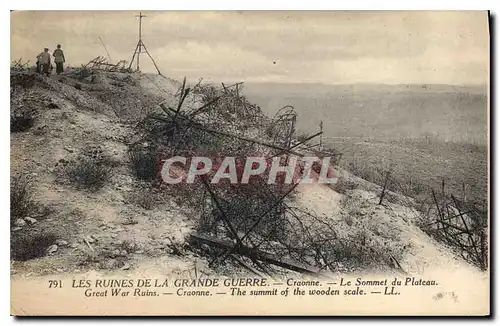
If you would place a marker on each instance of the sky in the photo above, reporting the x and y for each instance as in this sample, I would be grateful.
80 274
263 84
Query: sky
329 47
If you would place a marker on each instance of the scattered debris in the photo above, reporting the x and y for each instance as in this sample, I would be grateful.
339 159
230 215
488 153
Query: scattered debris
101 64
461 224
253 215
19 65
61 243
257 227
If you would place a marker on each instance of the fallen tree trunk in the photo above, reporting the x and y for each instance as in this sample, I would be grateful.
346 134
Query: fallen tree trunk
255 254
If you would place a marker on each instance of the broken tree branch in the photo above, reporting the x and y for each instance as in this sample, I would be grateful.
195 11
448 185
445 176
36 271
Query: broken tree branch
257 254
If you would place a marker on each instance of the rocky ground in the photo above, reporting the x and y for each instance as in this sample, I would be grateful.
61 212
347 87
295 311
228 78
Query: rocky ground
106 229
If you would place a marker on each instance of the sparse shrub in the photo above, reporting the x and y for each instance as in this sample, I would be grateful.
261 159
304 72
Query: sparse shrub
24 79
144 163
363 249
354 256
339 244
354 250
21 198
89 173
28 247
144 197
111 257
21 123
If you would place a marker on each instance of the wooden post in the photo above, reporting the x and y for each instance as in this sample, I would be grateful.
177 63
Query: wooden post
140 39
321 135
384 188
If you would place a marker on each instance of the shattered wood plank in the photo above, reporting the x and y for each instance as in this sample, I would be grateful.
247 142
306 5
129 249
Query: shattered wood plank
257 254
251 140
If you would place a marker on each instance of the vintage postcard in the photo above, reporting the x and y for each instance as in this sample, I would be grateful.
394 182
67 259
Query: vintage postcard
197 163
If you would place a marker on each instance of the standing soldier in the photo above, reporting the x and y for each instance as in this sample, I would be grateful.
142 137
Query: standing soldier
38 65
59 59
44 60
